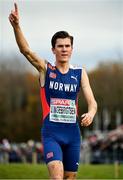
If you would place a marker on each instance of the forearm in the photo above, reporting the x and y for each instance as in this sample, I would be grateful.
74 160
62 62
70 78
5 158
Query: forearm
20 39
92 108
37 62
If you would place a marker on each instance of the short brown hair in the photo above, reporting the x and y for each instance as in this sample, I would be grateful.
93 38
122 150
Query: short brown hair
62 35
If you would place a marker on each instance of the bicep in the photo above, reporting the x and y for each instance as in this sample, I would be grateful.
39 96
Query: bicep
85 85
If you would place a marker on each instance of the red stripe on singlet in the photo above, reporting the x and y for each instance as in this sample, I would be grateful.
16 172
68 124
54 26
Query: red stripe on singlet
45 106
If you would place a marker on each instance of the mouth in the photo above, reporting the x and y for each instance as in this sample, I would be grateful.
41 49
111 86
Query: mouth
64 55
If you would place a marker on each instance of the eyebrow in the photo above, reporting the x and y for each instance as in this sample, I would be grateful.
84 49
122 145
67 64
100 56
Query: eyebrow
66 45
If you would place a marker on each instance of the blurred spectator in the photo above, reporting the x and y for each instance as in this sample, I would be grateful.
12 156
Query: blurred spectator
85 154
96 148
29 152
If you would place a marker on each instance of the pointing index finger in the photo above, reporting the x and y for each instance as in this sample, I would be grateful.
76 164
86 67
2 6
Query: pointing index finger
16 7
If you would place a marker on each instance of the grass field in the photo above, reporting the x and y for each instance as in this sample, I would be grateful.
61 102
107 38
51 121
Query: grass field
39 171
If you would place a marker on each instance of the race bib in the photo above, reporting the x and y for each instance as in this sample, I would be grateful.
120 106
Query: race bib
62 110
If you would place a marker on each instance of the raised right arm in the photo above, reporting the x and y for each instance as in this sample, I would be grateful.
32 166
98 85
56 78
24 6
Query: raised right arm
37 62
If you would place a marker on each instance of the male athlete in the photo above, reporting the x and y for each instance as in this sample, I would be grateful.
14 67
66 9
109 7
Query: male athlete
59 87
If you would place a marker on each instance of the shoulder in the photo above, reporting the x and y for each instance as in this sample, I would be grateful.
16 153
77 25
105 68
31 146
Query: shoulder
84 71
76 70
84 78
75 67
51 66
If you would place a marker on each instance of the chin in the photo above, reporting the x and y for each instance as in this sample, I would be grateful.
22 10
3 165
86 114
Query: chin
64 60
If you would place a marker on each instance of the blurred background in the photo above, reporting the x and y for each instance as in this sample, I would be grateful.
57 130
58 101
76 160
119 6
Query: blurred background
97 27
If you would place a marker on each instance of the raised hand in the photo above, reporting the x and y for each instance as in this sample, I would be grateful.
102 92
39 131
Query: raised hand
14 16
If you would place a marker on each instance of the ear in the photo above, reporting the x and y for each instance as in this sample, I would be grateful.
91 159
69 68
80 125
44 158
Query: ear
53 50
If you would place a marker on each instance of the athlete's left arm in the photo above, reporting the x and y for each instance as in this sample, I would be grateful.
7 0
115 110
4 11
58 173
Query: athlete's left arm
87 118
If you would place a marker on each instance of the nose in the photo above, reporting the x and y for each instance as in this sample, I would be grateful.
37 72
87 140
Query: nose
64 48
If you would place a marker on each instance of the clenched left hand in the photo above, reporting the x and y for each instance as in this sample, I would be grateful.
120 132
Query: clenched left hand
87 119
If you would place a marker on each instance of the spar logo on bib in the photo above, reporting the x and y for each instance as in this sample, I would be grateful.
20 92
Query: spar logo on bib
63 102
62 110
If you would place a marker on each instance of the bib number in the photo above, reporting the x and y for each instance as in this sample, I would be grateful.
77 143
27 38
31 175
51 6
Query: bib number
62 110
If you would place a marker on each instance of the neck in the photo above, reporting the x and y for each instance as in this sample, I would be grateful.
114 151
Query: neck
62 67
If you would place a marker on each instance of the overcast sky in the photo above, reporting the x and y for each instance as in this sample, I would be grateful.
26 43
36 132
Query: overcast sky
97 27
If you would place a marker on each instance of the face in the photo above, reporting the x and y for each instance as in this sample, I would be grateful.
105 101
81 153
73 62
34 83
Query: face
63 50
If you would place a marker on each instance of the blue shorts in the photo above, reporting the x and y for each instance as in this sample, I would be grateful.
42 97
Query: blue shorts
62 142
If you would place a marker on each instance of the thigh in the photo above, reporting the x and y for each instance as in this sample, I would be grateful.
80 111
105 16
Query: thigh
52 150
71 156
55 169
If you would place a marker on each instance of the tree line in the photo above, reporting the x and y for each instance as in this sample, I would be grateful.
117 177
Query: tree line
20 107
